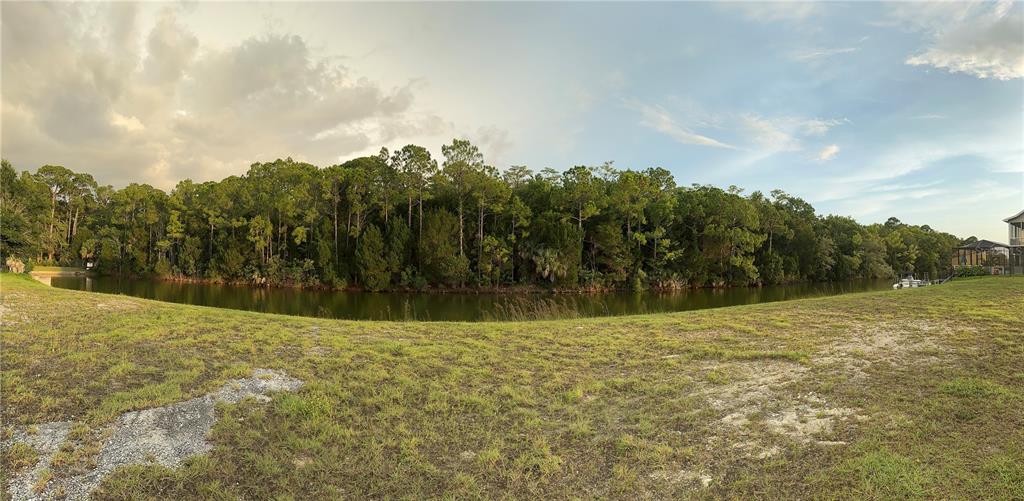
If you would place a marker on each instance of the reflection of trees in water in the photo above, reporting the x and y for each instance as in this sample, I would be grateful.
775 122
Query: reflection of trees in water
523 308
453 307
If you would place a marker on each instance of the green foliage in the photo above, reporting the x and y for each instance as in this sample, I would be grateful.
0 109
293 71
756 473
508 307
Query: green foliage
373 263
289 222
189 255
398 249
970 271
439 252
494 260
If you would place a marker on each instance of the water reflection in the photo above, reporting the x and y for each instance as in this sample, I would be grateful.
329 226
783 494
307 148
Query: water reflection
451 307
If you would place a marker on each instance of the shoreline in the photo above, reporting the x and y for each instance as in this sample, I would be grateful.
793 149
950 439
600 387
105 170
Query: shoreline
502 290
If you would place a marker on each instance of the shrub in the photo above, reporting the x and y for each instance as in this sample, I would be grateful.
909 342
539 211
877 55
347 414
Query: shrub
15 265
163 268
971 271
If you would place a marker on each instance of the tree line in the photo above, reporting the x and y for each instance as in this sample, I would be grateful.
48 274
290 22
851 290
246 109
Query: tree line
404 220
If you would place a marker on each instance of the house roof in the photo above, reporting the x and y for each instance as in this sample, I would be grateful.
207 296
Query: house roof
1016 217
982 245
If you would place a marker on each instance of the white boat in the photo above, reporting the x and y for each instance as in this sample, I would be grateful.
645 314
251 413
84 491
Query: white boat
910 282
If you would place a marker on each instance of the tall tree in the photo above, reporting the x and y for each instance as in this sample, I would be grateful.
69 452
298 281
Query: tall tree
462 163
489 194
417 169
58 180
583 192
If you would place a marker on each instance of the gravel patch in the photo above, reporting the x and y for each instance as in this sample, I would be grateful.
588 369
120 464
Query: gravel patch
46 440
163 435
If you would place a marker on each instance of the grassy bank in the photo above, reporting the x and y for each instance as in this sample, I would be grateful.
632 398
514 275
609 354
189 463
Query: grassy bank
913 394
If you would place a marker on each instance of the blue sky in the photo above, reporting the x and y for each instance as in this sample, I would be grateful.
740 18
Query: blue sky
865 109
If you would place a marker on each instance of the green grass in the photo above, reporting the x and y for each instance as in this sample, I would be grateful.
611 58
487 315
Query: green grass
884 475
626 407
19 456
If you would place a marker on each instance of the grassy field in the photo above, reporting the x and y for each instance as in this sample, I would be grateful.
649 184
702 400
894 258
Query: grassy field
898 394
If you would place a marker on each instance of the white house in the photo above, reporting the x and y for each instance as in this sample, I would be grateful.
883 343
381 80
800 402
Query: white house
1016 229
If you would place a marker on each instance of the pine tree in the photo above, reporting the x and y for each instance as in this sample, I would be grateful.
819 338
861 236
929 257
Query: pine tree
371 260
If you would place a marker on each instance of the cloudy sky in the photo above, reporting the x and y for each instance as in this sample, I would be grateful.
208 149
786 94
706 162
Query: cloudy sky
865 109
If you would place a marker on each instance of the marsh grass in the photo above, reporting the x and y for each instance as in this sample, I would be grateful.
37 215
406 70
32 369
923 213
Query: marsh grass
519 309
589 408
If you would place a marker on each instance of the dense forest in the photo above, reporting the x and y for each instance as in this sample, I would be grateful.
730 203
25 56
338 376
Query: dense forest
401 220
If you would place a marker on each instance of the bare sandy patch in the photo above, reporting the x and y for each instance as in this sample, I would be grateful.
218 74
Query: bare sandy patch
162 435
765 396
895 343
683 476
807 419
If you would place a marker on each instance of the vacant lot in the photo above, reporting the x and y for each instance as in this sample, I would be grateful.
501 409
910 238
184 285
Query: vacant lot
908 394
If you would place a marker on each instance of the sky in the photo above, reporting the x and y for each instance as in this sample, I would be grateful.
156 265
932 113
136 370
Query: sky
870 110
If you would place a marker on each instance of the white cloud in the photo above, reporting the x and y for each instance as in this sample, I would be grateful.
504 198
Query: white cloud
770 135
818 126
919 168
91 87
657 118
758 135
130 124
494 143
828 152
784 133
982 40
814 54
766 12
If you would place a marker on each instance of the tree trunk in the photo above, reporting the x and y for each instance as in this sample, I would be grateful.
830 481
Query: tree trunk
515 246
284 242
67 234
209 257
480 240
461 253
419 238
53 215
409 220
335 234
421 216
348 227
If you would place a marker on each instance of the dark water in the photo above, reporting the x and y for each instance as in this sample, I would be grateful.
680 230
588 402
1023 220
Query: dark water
452 307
